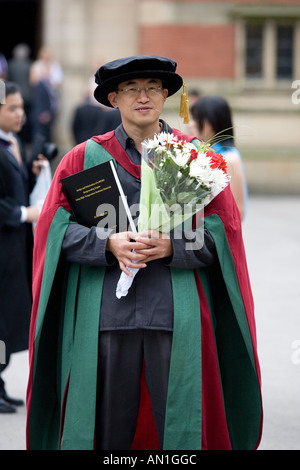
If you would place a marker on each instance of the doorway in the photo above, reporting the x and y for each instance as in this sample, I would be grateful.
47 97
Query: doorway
22 19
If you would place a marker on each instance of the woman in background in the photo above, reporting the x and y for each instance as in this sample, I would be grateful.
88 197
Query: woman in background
212 120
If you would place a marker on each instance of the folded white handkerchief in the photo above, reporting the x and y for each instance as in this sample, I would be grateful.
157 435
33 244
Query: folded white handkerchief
125 282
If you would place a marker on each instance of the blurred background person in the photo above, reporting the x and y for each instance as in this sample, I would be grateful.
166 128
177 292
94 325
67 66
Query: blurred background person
18 72
212 117
46 76
16 239
92 118
3 67
193 96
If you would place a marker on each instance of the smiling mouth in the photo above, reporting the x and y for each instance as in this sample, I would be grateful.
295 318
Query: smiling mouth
143 109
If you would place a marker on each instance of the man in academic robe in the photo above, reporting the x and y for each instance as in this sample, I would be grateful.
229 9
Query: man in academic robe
172 365
16 240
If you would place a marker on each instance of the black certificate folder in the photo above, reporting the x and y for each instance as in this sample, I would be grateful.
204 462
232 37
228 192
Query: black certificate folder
97 199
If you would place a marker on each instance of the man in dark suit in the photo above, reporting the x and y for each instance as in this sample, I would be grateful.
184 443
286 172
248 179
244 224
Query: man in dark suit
92 118
16 216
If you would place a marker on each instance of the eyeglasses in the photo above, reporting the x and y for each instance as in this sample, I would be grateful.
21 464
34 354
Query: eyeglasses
134 91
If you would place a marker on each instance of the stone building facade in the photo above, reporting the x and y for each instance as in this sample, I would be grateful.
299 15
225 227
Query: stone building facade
245 50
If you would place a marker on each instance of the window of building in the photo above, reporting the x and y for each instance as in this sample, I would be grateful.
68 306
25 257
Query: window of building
284 52
269 51
254 48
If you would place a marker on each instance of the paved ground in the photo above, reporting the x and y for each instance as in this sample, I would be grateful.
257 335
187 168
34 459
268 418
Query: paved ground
272 241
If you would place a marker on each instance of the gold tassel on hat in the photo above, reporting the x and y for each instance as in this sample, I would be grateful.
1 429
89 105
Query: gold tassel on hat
184 105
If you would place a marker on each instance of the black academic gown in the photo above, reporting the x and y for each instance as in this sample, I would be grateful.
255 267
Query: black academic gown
16 242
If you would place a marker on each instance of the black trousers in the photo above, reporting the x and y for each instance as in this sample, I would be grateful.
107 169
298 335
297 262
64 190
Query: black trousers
120 362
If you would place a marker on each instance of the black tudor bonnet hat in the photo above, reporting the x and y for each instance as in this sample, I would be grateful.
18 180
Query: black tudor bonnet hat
111 74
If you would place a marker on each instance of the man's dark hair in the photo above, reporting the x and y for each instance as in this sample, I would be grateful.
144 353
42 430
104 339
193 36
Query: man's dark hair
11 88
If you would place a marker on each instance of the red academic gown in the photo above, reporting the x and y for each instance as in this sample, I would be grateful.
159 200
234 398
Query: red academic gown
220 424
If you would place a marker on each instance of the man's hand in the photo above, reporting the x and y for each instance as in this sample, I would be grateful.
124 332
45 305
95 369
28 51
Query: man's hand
121 245
158 245
33 213
37 165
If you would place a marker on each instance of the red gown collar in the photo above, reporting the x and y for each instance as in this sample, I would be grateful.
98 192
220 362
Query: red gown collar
110 142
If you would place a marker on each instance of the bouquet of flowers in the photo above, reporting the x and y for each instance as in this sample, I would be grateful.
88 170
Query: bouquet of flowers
177 180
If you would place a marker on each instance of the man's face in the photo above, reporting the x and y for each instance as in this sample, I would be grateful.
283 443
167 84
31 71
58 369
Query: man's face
137 105
12 113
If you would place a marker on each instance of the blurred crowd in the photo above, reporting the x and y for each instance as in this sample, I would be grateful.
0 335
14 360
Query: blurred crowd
40 81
